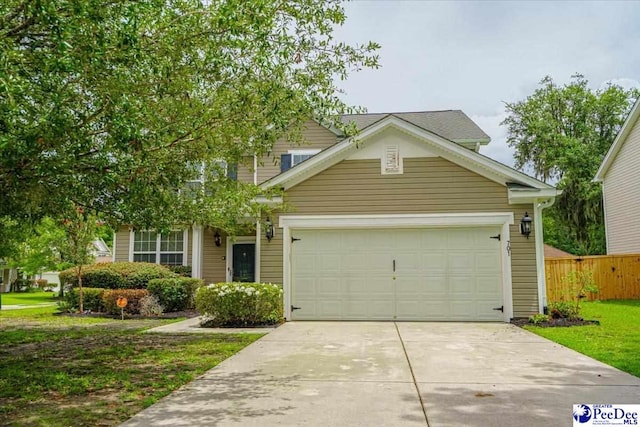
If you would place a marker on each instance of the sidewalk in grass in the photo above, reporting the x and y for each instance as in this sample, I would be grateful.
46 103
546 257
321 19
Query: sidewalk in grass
20 307
193 326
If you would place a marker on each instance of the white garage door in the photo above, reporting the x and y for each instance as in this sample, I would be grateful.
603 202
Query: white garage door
396 274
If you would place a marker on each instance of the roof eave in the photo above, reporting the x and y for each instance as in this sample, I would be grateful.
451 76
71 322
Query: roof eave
531 195
309 167
617 143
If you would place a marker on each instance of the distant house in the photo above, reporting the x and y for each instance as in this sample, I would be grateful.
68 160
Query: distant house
551 252
7 275
619 174
101 252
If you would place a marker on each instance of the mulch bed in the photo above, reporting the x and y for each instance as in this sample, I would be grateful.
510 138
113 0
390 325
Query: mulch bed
171 315
554 323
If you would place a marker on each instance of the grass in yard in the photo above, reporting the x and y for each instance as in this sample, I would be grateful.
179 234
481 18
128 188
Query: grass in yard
28 298
615 342
43 315
97 374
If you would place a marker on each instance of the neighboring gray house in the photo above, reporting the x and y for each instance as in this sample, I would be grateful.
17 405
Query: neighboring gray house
406 221
619 174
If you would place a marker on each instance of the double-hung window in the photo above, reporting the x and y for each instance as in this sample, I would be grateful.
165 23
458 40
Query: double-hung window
294 157
166 249
299 156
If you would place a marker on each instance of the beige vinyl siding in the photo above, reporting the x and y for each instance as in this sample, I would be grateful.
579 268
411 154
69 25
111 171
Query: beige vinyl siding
622 198
428 185
271 255
122 244
314 136
245 170
214 264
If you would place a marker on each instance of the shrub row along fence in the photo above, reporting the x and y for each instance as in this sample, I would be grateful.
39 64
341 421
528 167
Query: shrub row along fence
617 276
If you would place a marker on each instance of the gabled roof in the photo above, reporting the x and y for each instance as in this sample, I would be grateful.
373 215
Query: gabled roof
453 125
618 142
528 187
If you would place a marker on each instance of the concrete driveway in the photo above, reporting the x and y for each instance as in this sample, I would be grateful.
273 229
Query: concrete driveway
395 374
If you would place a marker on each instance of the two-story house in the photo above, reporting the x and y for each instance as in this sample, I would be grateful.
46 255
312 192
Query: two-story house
405 221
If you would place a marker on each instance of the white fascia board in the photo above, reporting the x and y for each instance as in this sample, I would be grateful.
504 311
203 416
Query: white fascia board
447 149
481 141
618 142
396 221
269 201
517 196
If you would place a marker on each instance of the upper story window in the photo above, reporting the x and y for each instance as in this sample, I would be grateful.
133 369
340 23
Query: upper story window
293 157
201 170
165 249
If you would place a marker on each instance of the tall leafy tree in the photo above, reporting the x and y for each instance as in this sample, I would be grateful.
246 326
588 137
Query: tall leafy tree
109 104
561 134
39 251
80 230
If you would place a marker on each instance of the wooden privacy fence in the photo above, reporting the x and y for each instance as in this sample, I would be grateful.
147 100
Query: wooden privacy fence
617 276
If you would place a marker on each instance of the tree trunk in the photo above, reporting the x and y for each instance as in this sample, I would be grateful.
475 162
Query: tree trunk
81 306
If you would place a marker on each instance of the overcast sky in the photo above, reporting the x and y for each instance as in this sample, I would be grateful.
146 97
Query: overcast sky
474 56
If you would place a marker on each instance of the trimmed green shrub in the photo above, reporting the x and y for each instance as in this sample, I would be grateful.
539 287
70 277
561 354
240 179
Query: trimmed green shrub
133 296
116 275
240 304
181 270
175 294
91 299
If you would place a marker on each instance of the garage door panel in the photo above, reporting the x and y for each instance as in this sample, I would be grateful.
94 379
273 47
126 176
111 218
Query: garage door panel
458 261
487 287
441 274
434 262
487 261
328 286
464 285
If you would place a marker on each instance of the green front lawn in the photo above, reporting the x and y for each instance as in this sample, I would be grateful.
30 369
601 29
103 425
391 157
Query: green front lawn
615 342
28 298
61 371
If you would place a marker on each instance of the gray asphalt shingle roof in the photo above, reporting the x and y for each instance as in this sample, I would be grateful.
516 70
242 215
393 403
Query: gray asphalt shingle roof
451 124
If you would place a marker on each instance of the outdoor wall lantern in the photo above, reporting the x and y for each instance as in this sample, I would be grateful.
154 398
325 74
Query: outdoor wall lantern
525 225
217 239
268 230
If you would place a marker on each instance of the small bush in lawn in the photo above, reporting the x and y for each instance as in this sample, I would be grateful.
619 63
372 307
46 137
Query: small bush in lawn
91 299
563 310
150 306
117 275
239 304
42 284
175 294
133 296
539 318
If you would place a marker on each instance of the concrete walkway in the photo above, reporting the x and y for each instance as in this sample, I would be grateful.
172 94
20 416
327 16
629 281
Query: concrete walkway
192 326
388 374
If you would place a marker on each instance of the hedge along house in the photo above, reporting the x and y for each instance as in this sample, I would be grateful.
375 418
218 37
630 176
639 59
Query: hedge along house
406 221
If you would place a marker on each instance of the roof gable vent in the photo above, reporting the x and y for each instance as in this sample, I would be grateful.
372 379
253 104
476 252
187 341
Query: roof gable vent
391 163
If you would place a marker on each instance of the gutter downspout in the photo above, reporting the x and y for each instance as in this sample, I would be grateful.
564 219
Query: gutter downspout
538 207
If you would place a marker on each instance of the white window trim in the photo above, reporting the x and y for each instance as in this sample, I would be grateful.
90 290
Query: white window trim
503 219
302 152
185 246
